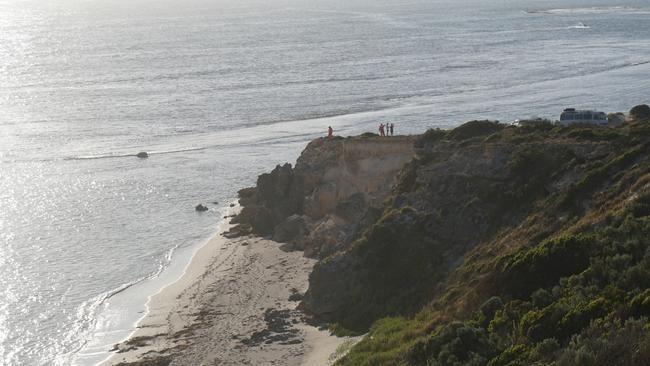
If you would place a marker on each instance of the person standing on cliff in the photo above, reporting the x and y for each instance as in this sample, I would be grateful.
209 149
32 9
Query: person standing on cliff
391 128
330 132
381 130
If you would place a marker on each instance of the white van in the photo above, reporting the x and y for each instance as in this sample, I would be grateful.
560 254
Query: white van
571 115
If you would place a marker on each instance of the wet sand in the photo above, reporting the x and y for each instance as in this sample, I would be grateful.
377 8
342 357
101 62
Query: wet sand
235 305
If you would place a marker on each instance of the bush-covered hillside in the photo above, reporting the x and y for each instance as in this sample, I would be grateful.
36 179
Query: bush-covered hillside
503 246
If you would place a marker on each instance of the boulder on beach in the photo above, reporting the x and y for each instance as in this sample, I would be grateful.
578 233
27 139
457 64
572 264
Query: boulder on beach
200 208
142 154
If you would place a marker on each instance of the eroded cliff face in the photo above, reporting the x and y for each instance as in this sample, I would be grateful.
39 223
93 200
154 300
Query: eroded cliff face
337 185
336 171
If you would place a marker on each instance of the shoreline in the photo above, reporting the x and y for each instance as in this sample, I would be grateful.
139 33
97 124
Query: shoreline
124 311
220 227
231 305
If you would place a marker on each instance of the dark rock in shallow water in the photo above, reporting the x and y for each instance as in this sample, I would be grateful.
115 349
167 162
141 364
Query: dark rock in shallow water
200 208
142 154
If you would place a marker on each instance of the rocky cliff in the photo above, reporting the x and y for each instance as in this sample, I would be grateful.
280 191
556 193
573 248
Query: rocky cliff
462 189
483 245
337 185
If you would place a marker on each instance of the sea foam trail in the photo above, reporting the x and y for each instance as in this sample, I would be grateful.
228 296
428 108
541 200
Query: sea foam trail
111 156
403 101
588 10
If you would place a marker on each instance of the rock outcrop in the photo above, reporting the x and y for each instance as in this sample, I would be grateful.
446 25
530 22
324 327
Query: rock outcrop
276 196
318 205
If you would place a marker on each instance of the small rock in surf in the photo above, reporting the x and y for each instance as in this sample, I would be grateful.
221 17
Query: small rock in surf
200 208
142 154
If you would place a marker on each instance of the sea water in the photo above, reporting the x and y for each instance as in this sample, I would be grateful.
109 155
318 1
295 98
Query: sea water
218 92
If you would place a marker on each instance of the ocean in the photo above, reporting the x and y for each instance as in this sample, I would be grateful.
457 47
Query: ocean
218 92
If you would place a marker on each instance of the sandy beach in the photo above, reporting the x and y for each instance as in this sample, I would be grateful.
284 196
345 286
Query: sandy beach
234 305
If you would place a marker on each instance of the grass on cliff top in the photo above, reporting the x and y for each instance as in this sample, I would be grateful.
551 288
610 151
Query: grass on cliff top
534 130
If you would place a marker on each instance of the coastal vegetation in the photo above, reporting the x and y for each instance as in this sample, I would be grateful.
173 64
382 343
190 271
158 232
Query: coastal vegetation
563 276
496 245
640 112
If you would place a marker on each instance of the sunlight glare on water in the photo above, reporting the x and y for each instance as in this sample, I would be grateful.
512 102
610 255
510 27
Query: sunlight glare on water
219 92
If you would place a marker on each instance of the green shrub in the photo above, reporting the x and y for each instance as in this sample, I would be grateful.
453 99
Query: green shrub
430 136
600 175
594 133
454 344
580 316
384 343
541 298
640 207
610 344
532 168
640 112
516 355
341 331
536 124
408 177
473 129
539 324
491 306
640 304
543 265
546 350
